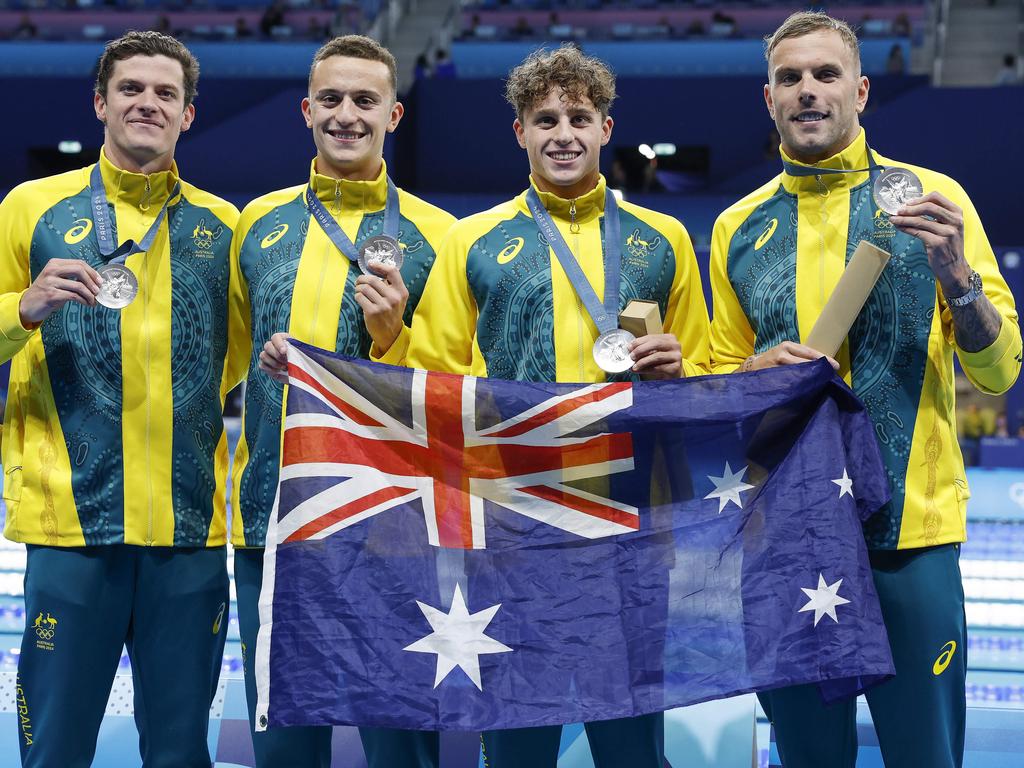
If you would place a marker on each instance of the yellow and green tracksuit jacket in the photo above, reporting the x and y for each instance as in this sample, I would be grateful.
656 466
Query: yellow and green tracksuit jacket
498 303
292 278
776 257
113 431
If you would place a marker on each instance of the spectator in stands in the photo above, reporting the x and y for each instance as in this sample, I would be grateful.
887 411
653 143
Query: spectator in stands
1002 427
722 25
272 17
896 64
1009 73
315 30
352 105
114 485
242 28
521 29
163 24
938 309
25 30
421 71
901 26
444 67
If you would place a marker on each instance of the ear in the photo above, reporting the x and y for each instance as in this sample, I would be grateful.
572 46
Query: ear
188 116
769 102
396 115
862 94
307 113
606 130
100 105
517 126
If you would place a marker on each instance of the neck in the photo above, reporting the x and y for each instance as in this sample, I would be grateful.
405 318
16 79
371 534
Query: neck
125 161
810 158
369 172
570 191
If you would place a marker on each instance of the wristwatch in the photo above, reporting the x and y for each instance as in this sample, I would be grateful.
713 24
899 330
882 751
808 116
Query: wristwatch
974 281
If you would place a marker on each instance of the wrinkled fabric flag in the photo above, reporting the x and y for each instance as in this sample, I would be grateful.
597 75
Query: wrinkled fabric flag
452 552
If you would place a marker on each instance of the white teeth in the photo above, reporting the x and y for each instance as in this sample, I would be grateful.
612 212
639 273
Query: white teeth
564 155
809 117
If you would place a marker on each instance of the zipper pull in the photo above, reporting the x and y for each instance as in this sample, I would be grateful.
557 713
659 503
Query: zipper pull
146 194
337 197
574 226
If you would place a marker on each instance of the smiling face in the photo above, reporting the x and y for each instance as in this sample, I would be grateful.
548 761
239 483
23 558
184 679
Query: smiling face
563 141
143 111
351 107
815 95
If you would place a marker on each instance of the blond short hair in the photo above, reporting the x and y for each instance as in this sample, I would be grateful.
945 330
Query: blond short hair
567 68
807 22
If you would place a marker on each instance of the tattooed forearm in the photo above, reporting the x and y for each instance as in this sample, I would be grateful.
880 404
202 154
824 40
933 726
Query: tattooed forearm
976 325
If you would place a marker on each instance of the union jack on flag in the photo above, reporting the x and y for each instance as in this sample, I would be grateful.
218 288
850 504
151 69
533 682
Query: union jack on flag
451 449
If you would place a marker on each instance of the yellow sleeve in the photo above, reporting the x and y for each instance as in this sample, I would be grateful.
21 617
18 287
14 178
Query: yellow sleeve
995 368
444 325
15 240
732 338
686 315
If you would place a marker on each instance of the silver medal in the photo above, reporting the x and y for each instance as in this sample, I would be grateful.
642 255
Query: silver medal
380 248
611 350
894 187
120 286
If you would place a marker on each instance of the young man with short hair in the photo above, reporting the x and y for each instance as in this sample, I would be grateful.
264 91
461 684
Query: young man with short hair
113 310
776 258
297 254
531 290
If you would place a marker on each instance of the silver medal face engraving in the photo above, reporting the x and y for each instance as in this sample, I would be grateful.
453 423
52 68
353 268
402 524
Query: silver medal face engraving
611 350
894 187
379 248
120 286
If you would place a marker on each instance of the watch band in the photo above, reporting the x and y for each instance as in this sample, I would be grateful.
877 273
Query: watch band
976 290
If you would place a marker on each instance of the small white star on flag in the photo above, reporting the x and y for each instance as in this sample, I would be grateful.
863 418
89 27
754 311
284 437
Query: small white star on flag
458 638
728 487
845 484
823 600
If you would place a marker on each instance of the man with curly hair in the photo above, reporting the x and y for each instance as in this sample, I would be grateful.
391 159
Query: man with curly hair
505 299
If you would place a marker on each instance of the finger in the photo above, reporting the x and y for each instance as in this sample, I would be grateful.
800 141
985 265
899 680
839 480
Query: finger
388 272
801 352
80 290
665 360
71 269
930 239
280 345
273 357
930 210
923 224
653 347
937 198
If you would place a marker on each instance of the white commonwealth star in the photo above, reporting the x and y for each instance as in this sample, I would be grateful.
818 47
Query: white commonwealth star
458 638
728 487
823 600
845 484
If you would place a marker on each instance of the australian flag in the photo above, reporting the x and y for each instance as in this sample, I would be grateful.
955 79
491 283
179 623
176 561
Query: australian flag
452 552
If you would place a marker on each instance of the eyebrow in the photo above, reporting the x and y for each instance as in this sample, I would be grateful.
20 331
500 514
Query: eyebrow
140 84
335 92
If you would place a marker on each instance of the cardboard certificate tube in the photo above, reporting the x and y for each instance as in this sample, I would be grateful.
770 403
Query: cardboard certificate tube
848 298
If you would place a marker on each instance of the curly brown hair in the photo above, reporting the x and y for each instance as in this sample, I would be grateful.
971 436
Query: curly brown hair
358 47
567 68
147 44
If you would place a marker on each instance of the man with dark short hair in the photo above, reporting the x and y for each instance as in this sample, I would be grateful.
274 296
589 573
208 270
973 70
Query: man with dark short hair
113 312
296 257
776 256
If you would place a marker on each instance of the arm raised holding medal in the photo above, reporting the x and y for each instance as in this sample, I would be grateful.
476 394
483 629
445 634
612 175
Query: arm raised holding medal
938 222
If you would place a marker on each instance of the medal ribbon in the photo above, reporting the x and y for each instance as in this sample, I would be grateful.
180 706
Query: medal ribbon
337 235
104 225
605 316
803 170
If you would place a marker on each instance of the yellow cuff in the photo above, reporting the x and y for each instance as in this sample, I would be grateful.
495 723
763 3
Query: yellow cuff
396 353
992 355
10 318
